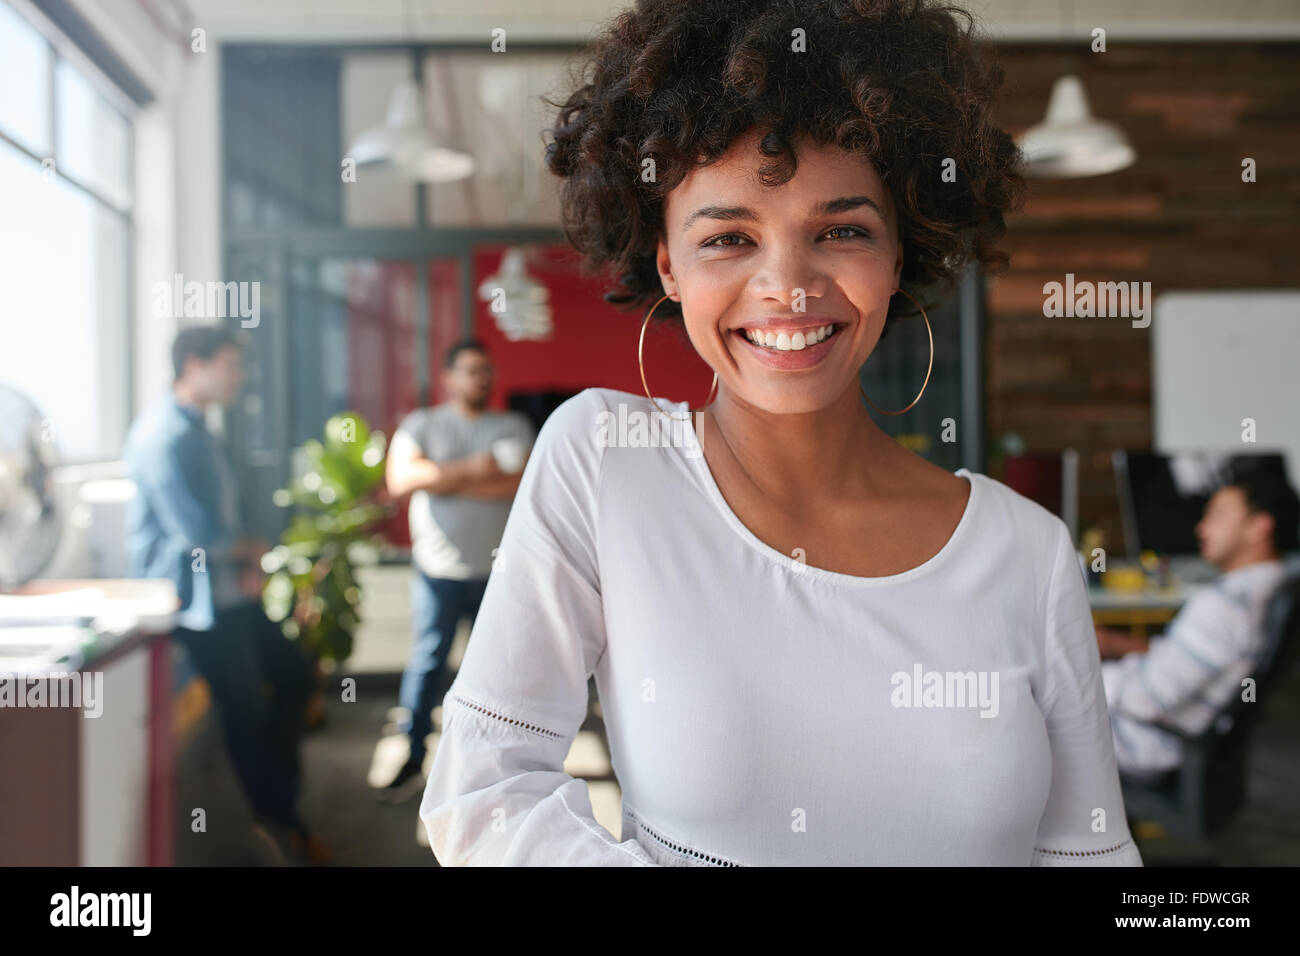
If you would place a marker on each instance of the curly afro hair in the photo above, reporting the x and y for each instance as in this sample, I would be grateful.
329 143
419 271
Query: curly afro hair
678 81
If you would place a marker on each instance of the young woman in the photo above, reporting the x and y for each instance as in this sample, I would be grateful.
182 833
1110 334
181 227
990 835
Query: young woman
811 646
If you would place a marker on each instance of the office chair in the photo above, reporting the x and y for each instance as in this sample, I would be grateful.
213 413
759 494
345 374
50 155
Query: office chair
1198 799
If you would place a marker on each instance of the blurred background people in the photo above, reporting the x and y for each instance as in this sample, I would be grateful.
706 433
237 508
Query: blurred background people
1190 673
185 524
461 463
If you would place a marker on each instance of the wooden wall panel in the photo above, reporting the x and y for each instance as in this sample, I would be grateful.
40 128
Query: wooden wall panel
1179 218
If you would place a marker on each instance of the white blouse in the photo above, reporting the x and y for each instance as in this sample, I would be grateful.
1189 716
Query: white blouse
761 710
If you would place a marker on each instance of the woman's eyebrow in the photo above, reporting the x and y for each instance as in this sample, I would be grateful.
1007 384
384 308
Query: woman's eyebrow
735 213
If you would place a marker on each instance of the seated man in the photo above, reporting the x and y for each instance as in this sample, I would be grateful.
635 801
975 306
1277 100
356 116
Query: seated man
1191 672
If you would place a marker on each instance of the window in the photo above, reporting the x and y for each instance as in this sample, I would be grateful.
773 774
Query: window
25 60
65 239
94 139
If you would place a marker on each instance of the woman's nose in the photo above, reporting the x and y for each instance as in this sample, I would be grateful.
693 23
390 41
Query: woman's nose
787 272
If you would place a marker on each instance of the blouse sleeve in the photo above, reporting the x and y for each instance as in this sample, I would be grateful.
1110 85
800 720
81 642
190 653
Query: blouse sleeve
497 792
1083 823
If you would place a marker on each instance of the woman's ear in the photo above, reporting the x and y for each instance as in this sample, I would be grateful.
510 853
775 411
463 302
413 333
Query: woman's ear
664 266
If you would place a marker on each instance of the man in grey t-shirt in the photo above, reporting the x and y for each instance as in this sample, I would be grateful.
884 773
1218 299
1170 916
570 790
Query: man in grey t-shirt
461 464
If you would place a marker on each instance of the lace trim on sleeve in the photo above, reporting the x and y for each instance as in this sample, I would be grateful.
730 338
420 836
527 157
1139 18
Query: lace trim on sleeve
1082 854
515 722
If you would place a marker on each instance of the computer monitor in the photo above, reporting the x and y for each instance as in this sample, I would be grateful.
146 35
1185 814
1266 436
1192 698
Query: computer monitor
1163 496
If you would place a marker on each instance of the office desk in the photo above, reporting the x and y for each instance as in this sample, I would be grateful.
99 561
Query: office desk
82 788
1138 610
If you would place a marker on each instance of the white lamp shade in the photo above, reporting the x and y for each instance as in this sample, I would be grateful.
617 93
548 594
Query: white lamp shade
405 142
1070 142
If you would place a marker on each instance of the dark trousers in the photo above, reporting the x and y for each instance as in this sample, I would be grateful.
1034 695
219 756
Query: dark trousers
260 683
437 605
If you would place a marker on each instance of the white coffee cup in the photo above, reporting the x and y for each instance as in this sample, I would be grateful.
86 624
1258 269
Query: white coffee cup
510 454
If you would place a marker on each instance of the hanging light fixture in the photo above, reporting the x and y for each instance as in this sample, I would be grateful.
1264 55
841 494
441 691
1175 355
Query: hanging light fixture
406 143
519 303
1070 142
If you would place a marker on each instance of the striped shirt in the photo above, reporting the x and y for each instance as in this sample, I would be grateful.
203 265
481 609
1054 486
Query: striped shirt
1191 672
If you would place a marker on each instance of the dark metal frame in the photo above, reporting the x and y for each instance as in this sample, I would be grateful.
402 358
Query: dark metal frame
417 244
421 242
64 17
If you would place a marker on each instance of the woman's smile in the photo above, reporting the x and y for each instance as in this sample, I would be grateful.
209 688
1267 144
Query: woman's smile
792 347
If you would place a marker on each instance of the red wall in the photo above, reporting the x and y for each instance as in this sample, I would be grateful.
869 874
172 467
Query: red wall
593 343
381 336
381 355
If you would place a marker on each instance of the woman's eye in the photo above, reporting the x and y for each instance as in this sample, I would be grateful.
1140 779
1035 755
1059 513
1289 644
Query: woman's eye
714 241
854 229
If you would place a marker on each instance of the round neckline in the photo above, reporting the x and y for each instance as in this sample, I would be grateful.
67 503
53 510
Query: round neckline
954 541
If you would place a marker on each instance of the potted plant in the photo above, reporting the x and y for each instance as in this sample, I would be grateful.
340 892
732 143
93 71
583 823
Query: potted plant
338 495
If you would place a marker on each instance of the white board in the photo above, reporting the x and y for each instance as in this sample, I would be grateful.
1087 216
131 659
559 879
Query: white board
1218 358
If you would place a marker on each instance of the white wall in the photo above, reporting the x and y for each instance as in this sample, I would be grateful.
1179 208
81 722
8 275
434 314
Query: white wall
1220 358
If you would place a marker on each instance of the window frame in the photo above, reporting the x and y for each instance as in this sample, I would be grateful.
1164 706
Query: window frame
63 50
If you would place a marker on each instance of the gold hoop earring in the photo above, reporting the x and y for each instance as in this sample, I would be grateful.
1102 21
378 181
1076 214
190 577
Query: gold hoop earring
640 361
930 333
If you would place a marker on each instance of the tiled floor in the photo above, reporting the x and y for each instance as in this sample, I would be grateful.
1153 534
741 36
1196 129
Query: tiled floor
359 748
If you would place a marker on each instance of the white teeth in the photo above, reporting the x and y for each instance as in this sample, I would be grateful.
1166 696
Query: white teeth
785 342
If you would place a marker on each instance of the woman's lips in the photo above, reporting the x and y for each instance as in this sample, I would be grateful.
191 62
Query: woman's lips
788 360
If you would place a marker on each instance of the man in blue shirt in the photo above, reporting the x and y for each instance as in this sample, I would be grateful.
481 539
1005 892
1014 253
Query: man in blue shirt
185 524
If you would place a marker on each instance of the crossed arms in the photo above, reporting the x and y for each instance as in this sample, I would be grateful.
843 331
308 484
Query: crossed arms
476 476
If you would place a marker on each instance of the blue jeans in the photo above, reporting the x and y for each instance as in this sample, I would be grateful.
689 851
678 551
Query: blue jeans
437 605
260 684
